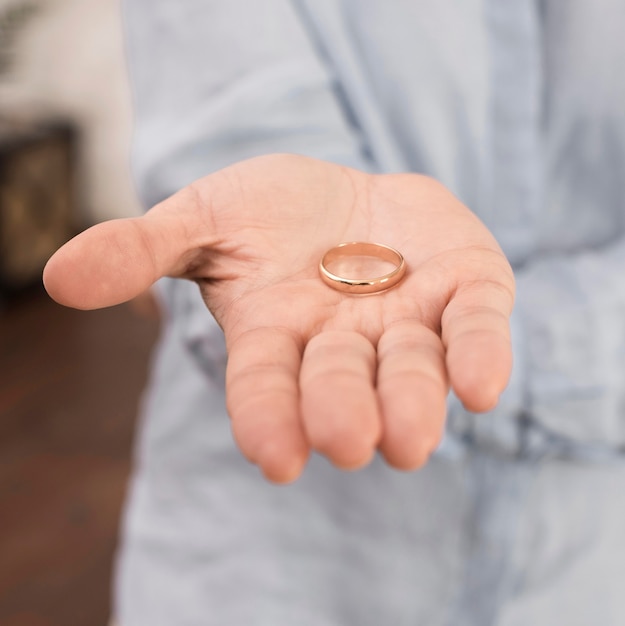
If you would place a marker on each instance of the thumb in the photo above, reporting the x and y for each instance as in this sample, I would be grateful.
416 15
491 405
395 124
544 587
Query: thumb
115 261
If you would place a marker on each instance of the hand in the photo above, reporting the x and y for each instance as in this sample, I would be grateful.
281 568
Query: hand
310 367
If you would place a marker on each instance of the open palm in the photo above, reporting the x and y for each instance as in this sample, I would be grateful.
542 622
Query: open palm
310 367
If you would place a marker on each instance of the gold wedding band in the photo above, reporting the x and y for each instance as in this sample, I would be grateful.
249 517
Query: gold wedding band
362 285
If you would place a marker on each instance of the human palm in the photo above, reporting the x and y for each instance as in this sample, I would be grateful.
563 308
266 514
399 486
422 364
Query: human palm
310 367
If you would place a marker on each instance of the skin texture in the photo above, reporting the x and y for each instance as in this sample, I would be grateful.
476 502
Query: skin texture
310 368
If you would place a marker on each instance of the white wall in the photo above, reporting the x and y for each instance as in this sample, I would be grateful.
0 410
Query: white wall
69 62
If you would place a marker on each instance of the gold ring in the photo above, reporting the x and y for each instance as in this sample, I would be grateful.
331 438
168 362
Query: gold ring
362 285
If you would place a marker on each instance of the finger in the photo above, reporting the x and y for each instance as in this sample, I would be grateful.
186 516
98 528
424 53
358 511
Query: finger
115 261
412 387
476 333
263 401
339 404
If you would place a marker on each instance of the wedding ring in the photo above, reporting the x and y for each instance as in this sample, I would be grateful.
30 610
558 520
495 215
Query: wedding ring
362 285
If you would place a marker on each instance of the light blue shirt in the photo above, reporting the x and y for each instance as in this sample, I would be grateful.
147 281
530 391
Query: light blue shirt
518 106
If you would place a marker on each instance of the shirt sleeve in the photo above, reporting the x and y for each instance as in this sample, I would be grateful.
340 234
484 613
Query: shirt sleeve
571 335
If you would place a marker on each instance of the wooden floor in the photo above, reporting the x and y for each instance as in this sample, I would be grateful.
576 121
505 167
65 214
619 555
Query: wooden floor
70 383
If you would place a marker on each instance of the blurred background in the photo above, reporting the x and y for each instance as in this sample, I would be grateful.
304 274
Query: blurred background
70 382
